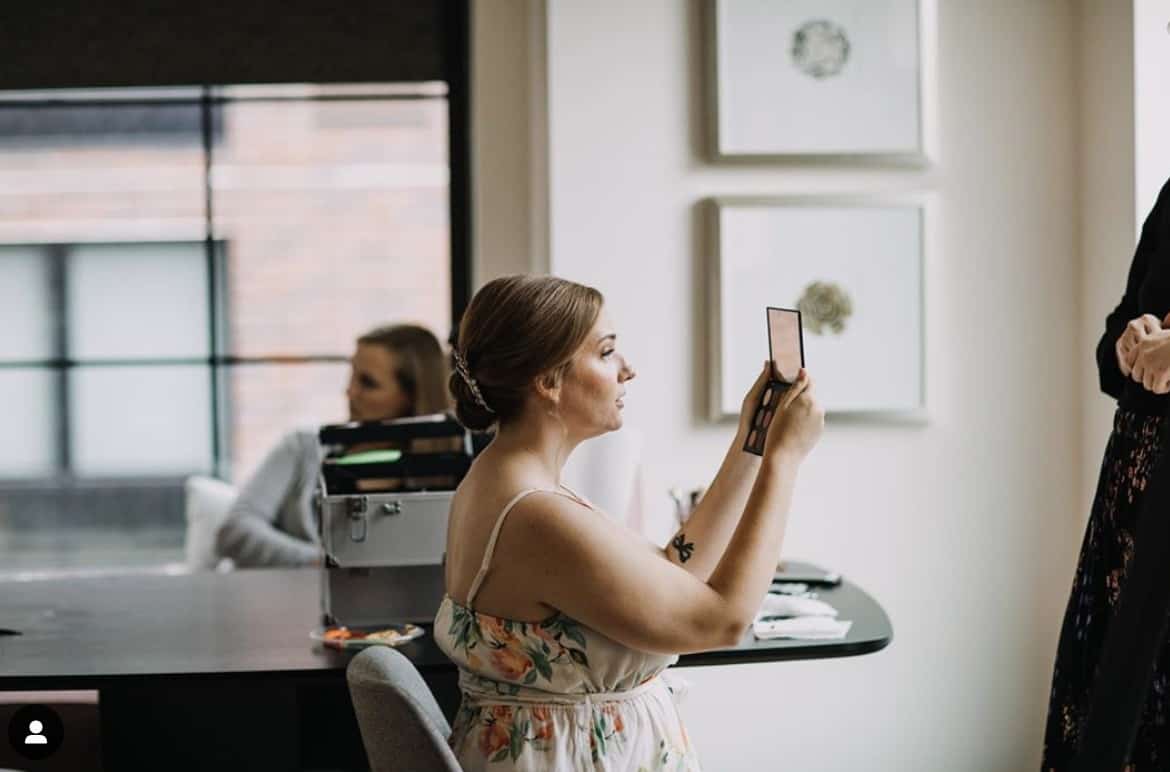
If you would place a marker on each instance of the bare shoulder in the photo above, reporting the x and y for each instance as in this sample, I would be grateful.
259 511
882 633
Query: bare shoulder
547 518
557 534
476 508
483 494
538 528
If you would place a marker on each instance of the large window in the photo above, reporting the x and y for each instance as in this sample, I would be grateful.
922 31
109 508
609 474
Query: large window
106 356
182 275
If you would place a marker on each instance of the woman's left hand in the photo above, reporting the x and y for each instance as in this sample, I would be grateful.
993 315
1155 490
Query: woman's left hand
1151 365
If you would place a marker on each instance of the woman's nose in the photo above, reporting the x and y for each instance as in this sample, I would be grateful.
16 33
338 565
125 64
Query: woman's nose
628 371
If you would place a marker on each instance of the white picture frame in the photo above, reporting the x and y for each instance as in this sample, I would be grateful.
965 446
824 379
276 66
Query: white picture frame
817 81
854 266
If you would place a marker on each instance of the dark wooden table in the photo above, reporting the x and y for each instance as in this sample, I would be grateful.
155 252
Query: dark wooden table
218 671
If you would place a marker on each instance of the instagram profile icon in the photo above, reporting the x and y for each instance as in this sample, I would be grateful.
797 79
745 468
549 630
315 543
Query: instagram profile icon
35 732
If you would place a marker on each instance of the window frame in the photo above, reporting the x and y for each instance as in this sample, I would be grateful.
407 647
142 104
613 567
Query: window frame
60 364
216 254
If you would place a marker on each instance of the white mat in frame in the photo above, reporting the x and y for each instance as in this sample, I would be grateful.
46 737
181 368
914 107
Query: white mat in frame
855 266
821 80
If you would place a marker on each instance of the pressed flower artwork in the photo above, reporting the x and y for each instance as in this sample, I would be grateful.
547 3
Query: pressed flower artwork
831 80
853 267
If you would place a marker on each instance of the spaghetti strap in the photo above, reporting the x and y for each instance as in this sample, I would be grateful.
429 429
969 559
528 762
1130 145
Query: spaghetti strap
490 550
491 545
580 499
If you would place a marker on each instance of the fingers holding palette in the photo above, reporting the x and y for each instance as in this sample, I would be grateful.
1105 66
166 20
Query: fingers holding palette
786 348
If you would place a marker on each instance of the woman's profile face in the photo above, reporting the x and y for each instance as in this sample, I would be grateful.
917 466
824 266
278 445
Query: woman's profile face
595 383
374 392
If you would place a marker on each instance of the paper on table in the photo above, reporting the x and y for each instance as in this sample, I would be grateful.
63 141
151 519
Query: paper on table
776 604
804 628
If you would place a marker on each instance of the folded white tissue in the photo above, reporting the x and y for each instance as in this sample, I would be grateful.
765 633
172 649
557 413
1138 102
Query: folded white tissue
803 618
790 588
792 606
804 628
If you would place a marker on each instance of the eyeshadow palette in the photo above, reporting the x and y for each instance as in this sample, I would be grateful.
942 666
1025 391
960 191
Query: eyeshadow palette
786 350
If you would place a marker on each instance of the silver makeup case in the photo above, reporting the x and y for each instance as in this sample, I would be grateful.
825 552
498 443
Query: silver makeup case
383 548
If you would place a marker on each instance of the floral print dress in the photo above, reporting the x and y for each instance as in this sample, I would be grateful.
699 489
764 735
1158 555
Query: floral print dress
555 694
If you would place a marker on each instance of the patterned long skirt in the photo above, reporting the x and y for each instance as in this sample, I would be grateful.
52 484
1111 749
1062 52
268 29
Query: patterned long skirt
1130 457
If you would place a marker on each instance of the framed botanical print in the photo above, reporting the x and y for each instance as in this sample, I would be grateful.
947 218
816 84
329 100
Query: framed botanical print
853 267
818 80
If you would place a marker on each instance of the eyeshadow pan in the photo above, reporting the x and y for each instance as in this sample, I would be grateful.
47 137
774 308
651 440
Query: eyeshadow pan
752 438
768 418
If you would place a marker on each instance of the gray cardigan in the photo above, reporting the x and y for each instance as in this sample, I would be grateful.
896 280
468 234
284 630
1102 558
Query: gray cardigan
272 522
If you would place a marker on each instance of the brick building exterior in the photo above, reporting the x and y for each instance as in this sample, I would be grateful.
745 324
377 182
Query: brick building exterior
332 215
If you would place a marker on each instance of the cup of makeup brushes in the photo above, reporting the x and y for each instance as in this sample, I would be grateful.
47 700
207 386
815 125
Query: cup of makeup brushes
684 502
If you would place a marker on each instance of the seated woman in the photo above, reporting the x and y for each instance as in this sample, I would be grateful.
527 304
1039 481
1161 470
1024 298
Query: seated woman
397 371
559 618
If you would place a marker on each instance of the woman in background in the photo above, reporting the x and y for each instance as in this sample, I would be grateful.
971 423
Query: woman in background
1133 361
560 619
396 371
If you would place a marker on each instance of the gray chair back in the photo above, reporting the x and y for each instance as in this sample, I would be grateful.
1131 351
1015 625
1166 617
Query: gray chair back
401 724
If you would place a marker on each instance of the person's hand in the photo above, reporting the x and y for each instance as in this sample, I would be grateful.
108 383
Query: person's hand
1151 362
751 401
798 422
1127 342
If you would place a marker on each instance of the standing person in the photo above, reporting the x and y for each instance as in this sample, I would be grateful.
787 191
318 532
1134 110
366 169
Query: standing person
560 619
1133 360
396 371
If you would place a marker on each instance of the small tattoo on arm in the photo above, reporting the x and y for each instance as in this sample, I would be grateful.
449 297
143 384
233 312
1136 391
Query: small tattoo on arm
684 547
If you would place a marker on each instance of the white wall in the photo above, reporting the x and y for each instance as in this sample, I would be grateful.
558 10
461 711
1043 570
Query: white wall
509 138
967 529
1151 43
1107 216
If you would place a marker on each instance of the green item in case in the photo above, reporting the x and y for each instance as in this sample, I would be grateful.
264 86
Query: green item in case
369 457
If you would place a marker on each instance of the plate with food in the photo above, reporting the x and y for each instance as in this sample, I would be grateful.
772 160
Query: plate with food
342 637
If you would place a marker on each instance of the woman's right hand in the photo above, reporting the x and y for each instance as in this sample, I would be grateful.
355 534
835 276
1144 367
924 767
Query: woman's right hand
1135 332
798 422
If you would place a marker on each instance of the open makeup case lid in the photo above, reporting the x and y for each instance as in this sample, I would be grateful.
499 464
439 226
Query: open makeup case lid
426 453
383 500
